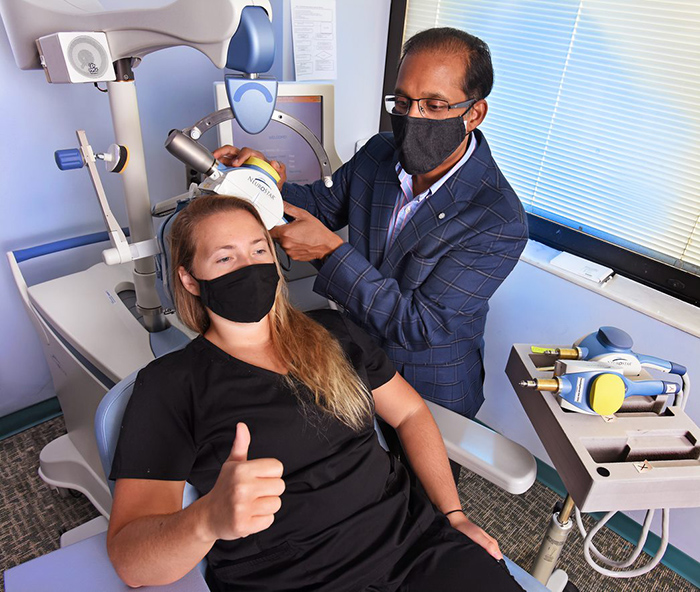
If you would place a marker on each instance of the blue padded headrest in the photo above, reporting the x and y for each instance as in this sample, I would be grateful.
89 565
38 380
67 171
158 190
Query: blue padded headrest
108 422
163 271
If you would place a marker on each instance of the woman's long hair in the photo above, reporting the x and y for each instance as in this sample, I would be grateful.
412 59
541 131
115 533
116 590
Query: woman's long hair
313 356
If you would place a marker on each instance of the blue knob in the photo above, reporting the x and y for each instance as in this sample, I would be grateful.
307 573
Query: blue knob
69 159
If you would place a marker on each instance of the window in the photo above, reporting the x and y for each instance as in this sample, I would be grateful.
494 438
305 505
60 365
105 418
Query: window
595 121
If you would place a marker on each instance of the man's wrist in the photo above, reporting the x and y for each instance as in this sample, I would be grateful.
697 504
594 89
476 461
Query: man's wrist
333 244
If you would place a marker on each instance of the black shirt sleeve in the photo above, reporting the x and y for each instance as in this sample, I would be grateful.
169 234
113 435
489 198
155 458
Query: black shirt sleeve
156 439
379 367
373 361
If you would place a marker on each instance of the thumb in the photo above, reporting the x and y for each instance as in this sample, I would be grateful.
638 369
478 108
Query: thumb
239 450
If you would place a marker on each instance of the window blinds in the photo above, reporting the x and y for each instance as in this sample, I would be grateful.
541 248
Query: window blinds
595 113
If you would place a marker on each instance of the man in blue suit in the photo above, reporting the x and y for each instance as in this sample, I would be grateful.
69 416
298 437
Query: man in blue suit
433 226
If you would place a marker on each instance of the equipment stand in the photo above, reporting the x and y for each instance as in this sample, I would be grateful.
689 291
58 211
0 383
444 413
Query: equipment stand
559 528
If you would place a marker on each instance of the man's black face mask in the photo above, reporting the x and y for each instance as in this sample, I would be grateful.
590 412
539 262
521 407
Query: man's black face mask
424 144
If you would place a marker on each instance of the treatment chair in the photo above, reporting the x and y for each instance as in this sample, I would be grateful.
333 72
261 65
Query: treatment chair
81 565
85 566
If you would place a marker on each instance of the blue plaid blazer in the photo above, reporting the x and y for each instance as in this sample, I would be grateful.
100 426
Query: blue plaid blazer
425 300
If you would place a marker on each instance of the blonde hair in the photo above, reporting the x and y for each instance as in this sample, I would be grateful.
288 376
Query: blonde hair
313 356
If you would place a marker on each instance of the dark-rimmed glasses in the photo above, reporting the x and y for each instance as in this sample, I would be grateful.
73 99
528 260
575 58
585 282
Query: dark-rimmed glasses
428 108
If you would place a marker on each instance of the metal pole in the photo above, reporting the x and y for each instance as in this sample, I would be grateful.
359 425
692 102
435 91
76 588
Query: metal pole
567 510
127 131
559 528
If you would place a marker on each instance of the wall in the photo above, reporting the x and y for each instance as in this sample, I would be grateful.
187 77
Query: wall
535 306
362 31
42 204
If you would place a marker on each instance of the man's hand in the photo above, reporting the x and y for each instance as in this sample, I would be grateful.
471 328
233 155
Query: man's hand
306 238
476 534
246 494
231 156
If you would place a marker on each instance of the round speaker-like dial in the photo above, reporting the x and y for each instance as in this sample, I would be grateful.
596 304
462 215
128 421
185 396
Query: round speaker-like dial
87 56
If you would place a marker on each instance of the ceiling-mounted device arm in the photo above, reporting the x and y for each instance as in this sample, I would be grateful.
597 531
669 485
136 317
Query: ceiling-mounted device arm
206 123
132 33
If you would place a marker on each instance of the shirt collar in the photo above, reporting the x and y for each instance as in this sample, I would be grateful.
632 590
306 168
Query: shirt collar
442 180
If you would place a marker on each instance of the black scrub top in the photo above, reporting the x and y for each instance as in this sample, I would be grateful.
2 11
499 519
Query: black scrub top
348 511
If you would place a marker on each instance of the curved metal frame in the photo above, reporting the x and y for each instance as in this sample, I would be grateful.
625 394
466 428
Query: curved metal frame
209 121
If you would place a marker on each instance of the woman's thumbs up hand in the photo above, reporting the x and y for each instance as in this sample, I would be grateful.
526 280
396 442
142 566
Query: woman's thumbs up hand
246 494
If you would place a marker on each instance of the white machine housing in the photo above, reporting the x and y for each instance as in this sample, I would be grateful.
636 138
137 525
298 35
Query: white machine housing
76 57
132 33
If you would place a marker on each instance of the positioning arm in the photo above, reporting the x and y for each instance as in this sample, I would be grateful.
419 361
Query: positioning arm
206 123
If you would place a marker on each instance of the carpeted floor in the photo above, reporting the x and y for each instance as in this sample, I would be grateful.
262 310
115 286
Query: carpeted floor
33 517
519 523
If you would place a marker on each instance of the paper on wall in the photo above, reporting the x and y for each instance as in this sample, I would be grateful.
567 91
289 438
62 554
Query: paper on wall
314 39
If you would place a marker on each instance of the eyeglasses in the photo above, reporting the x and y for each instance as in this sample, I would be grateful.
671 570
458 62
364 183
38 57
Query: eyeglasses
428 108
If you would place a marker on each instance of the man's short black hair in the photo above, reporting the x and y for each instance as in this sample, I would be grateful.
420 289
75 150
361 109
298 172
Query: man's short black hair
478 76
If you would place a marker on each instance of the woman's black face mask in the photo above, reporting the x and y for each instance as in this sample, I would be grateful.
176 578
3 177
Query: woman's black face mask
244 295
424 144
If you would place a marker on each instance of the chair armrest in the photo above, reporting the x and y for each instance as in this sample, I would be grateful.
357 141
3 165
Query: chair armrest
85 567
489 454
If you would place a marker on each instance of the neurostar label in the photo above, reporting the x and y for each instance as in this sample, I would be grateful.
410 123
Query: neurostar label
262 186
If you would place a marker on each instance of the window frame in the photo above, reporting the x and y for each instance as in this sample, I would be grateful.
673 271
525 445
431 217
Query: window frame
665 278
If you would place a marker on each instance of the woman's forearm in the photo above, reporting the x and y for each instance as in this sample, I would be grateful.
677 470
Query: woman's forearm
425 450
150 542
160 549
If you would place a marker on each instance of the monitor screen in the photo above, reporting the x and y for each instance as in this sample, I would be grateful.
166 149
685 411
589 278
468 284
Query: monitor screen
278 142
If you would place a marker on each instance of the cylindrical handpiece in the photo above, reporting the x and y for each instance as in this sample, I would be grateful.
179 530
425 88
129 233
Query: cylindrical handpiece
542 384
563 353
190 152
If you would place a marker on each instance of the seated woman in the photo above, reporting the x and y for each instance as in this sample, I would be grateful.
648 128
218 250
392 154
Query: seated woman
269 414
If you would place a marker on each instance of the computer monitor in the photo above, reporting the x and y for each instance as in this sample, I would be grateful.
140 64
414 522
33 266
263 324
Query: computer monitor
313 105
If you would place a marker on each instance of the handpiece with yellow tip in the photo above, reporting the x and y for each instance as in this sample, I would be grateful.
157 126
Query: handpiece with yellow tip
607 393
598 391
565 353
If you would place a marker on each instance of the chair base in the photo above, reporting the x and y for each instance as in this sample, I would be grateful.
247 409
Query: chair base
62 466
